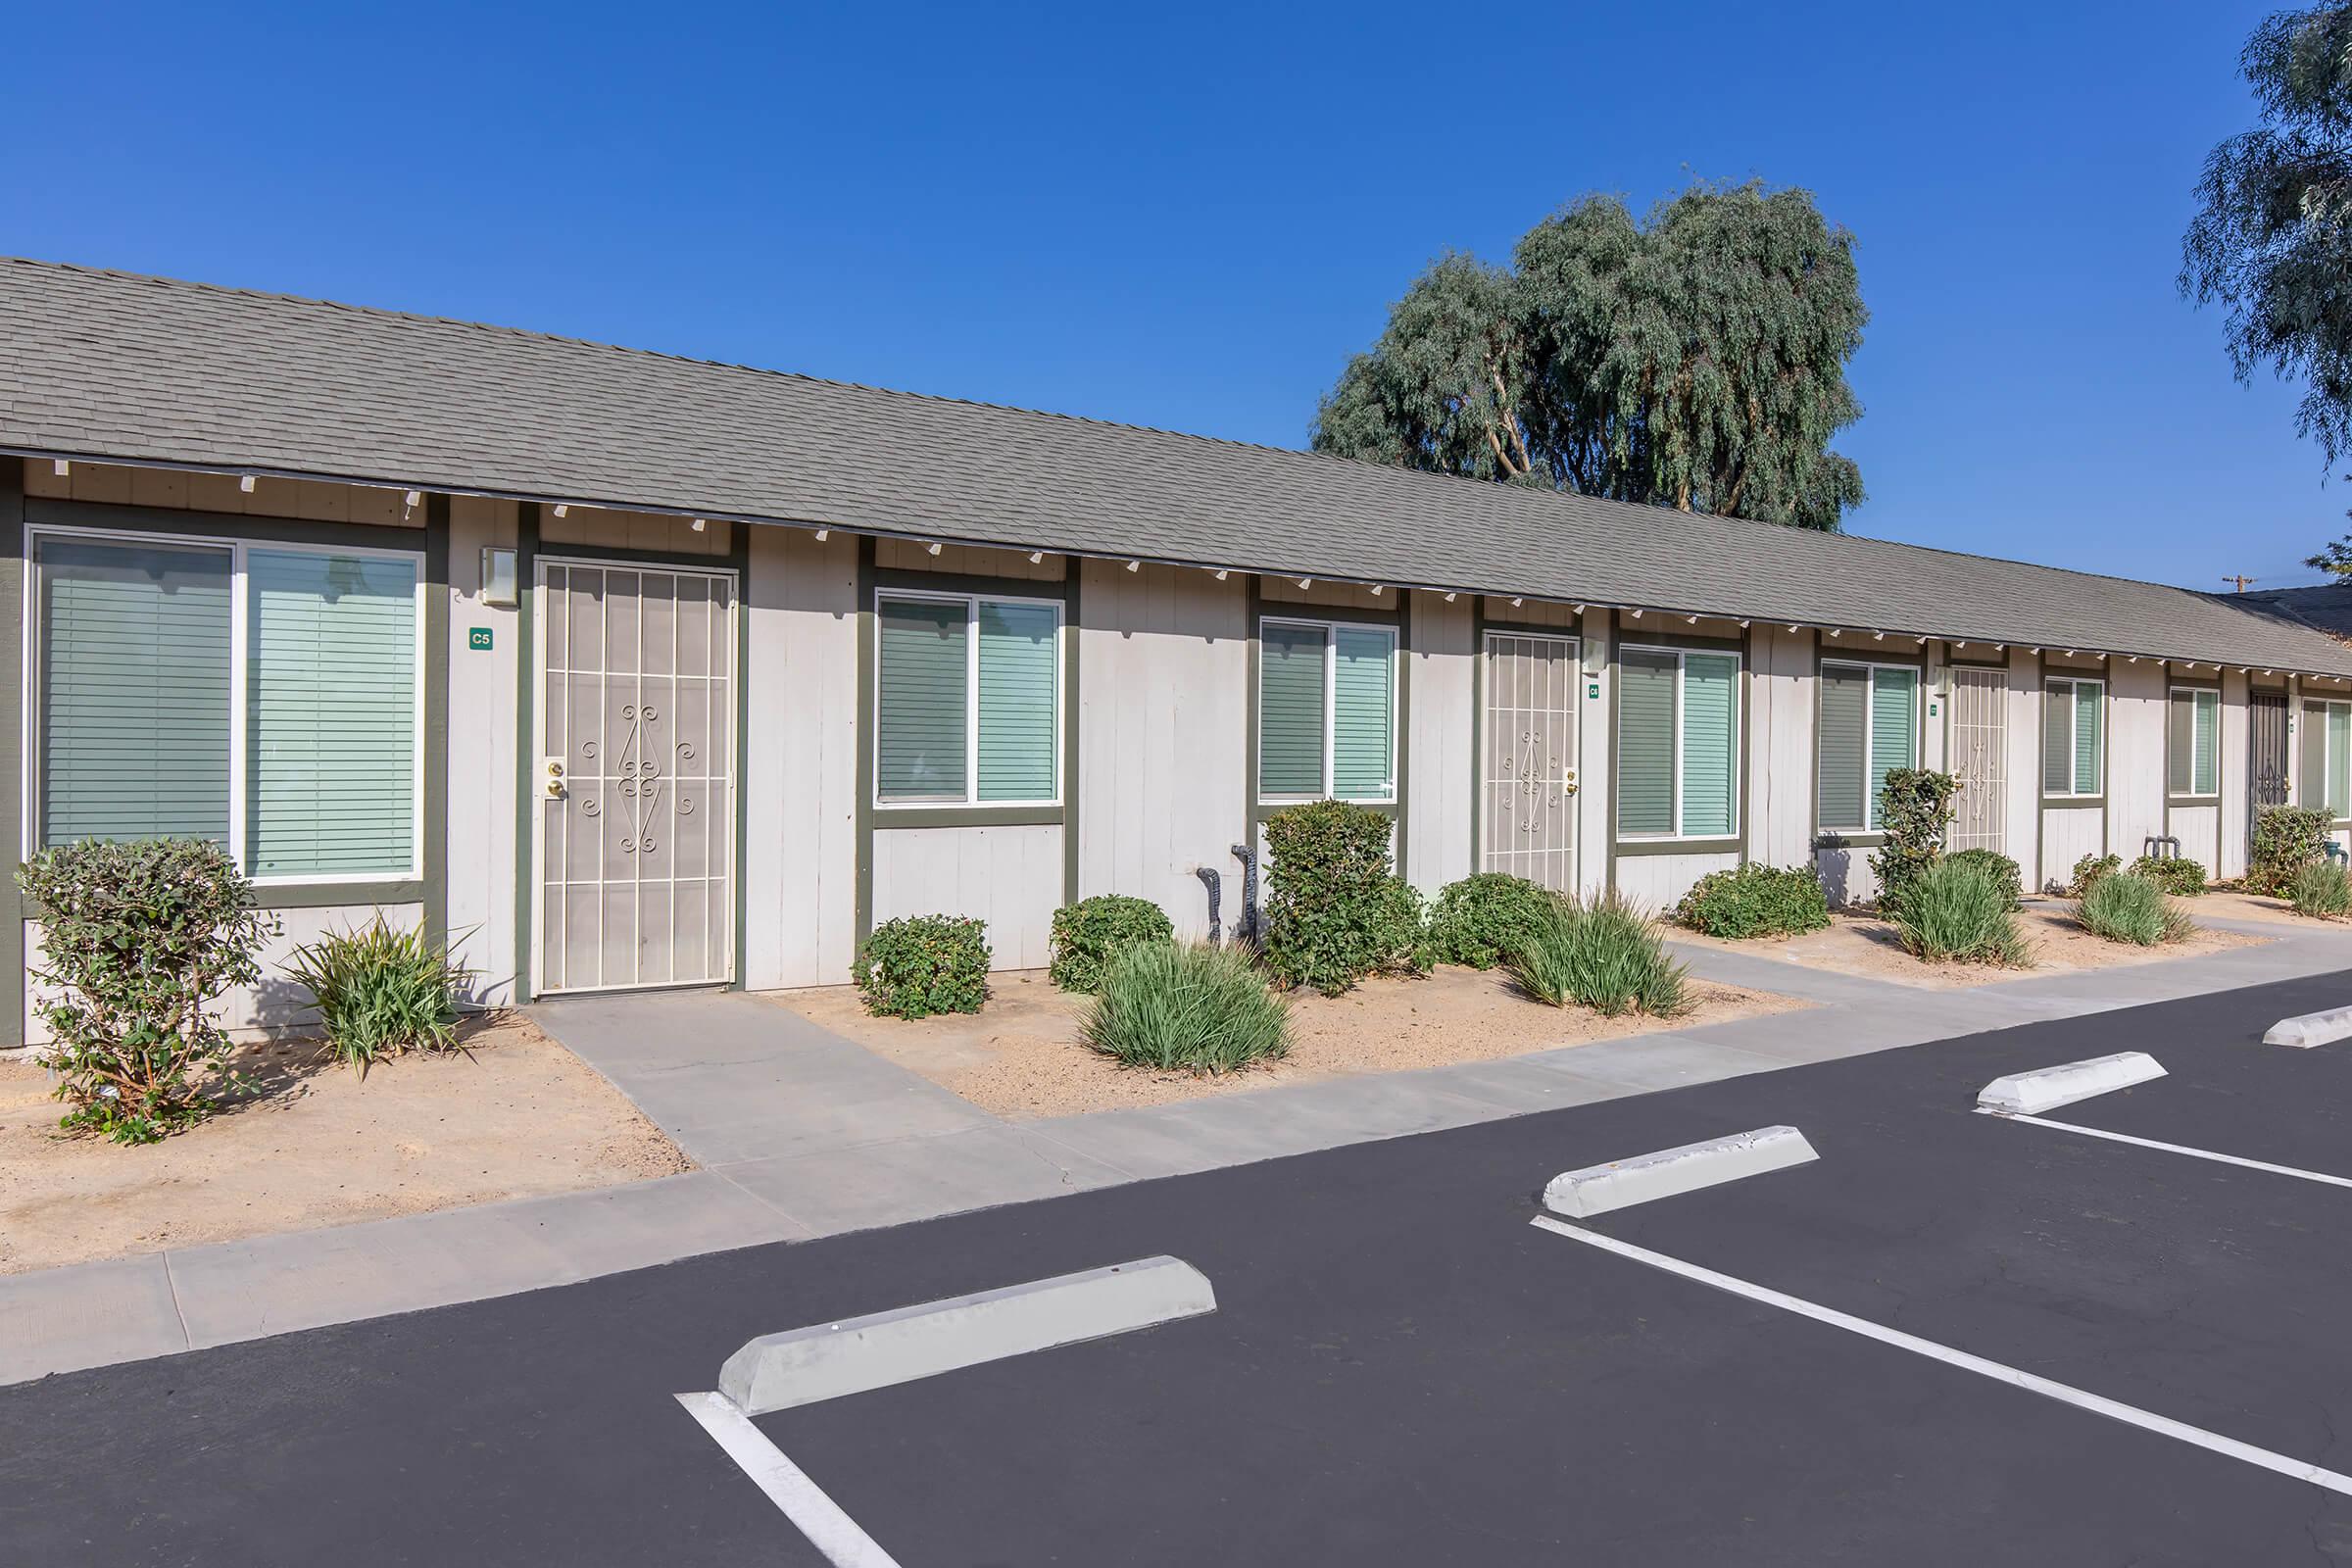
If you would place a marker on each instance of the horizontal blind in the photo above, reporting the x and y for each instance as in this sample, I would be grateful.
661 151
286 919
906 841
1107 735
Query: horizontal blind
1646 741
1362 720
2339 760
919 696
1710 743
1290 709
1018 676
330 674
1894 733
135 660
2206 778
1844 694
2058 737
2179 742
2091 713
2314 789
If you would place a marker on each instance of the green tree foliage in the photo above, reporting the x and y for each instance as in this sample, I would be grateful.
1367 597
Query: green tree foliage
1695 360
2272 240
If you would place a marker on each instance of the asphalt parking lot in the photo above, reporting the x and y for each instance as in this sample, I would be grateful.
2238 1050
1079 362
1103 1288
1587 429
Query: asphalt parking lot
1401 1368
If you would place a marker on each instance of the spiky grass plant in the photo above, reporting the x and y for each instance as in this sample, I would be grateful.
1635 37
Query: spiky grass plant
1605 954
2126 906
1957 912
2323 889
1186 1008
380 992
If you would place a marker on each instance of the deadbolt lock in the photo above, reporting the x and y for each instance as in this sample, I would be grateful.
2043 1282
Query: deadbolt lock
555 778
1568 780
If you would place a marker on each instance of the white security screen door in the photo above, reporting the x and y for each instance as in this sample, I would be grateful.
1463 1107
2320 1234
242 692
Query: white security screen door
1980 757
1528 772
636 788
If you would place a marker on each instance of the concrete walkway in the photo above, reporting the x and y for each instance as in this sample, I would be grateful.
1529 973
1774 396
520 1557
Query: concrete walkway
799 1133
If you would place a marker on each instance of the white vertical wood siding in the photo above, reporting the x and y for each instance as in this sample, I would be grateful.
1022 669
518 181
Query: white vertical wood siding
1596 771
1657 882
1163 678
2024 762
2136 695
800 760
1440 667
2067 835
484 858
2200 828
2236 824
1009 876
1779 747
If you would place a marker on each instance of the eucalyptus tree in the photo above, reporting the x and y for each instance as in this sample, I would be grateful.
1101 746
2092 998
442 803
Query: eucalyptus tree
1696 358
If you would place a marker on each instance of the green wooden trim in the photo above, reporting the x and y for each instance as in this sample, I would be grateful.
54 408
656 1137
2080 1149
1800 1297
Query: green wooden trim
1286 609
862 727
2076 802
2171 800
736 555
526 740
46 511
1641 636
739 557
1635 848
12 732
1402 662
422 890
1250 807
1831 839
1743 707
434 850
1525 628
885 579
1071 571
886 817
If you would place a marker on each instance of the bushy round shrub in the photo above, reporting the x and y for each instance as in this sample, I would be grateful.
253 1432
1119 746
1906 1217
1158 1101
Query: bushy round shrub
2124 907
1480 920
380 992
1089 934
1190 1008
1755 900
2005 873
2177 874
1335 913
2287 839
2323 888
2089 872
1955 912
921 964
140 938
1605 954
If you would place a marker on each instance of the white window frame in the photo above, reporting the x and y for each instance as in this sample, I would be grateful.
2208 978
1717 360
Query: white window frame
2074 684
971 603
1682 669
1330 681
2317 708
241 738
2193 793
1870 729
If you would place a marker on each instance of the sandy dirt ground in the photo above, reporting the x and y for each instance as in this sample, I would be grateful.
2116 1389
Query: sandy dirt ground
1019 1056
2229 906
316 1146
1857 944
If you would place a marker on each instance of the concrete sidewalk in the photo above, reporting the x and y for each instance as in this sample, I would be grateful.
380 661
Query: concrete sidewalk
801 1133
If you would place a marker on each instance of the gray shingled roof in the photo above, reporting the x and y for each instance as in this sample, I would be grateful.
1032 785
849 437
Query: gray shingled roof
2326 606
110 365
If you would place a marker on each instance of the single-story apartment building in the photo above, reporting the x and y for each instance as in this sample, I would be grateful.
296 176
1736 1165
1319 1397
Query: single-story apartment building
633 671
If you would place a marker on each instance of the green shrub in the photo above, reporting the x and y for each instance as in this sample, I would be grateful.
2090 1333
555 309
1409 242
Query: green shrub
2177 875
1605 954
1481 919
2124 907
380 992
2287 839
1335 913
1755 900
1914 806
140 939
1089 934
2090 871
1192 1008
2004 871
921 964
2323 888
1957 912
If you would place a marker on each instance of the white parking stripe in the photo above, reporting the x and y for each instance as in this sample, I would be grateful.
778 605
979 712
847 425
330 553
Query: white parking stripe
819 1518
2065 1394
2174 1149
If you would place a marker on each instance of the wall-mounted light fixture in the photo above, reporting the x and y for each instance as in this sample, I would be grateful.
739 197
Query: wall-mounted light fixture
498 577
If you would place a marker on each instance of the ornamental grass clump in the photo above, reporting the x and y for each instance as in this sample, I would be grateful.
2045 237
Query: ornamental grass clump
1089 934
2004 871
1186 1008
2323 889
137 941
1957 912
921 964
1605 954
380 992
2126 906
1478 921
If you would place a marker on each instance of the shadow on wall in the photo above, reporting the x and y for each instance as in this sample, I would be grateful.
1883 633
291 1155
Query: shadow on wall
1834 860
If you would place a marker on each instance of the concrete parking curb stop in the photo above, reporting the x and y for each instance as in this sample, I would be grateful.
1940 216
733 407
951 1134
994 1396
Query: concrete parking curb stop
1623 1182
2030 1094
2309 1029
826 1361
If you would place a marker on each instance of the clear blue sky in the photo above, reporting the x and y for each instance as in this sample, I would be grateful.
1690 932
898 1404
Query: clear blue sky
1189 217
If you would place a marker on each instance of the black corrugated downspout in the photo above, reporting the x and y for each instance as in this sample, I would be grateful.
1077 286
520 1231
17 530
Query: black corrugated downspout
1216 888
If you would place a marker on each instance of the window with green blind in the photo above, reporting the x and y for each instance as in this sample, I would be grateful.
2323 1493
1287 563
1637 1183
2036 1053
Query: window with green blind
2074 720
1677 744
2327 757
2193 743
1326 712
967 700
291 738
1869 727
